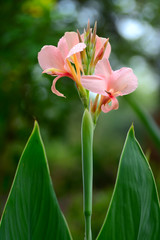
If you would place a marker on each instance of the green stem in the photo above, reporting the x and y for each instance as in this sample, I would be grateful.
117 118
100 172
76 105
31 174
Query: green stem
87 170
84 95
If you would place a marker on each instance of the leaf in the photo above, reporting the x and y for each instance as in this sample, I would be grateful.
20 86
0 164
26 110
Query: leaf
134 212
32 210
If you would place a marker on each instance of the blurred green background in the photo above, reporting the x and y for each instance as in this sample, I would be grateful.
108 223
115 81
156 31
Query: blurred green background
25 95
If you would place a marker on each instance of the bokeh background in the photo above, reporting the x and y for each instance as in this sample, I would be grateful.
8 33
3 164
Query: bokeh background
25 95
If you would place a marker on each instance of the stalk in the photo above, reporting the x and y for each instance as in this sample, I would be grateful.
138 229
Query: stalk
87 130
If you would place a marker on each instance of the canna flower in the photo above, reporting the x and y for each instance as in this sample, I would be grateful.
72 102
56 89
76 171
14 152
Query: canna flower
66 58
58 61
110 84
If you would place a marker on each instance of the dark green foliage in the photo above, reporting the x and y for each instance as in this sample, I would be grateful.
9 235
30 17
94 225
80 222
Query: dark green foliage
32 210
134 211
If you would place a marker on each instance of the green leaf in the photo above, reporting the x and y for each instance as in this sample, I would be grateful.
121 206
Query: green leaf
134 211
32 210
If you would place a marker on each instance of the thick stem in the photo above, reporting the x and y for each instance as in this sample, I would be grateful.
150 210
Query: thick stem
84 95
87 170
88 232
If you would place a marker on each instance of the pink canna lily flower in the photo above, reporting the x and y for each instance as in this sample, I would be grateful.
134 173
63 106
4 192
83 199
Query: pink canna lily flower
58 61
110 84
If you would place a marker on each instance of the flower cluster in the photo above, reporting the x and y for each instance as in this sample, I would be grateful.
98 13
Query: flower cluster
84 59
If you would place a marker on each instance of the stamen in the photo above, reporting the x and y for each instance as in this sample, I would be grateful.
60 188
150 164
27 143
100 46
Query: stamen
109 93
72 71
77 67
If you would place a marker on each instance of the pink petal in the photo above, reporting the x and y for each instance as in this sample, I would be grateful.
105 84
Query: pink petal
123 81
103 68
114 105
76 49
53 88
63 47
49 71
94 83
50 57
55 71
71 39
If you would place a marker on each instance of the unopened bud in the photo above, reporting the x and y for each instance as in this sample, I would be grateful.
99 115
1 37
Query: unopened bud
94 106
79 36
101 52
88 26
93 40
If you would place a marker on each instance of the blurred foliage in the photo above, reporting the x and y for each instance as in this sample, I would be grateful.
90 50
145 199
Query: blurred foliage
25 95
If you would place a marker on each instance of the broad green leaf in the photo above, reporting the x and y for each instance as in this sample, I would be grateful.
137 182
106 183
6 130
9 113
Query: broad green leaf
32 210
134 212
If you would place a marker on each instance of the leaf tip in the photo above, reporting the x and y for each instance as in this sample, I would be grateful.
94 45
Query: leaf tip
131 131
36 124
36 127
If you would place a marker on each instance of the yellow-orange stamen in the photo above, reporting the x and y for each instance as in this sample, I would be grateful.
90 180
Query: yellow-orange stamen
72 71
77 67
